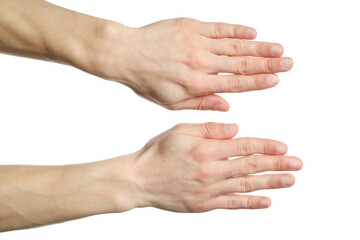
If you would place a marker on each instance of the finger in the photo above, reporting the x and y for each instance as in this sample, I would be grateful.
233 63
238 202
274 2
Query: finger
252 183
237 47
209 130
249 65
247 146
237 83
224 30
209 102
234 201
256 164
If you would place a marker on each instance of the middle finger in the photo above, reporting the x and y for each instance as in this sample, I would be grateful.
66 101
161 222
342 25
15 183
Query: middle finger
252 183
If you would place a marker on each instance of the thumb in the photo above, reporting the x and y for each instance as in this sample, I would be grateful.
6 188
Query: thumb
208 102
210 130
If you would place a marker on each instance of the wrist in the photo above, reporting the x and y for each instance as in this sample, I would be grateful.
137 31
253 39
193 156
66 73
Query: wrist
99 47
119 182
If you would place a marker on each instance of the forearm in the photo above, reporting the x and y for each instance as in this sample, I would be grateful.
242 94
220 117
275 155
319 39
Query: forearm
38 195
41 30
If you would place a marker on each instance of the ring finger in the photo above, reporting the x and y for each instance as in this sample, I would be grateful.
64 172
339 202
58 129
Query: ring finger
250 183
250 65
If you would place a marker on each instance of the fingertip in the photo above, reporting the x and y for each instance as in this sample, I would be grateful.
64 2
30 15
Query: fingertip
286 63
276 50
222 106
281 149
272 80
265 202
214 130
296 164
227 106
251 33
291 62
231 129
288 180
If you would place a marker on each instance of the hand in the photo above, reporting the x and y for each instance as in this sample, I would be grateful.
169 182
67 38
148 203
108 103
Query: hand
186 169
175 63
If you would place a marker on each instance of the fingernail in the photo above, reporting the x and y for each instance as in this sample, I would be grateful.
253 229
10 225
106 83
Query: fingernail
287 181
220 107
250 33
272 79
286 63
295 164
281 149
265 202
275 50
230 128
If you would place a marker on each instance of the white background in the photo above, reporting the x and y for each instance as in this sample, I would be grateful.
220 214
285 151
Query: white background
54 114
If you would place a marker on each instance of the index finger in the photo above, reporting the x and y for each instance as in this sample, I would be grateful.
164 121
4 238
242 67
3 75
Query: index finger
225 30
247 146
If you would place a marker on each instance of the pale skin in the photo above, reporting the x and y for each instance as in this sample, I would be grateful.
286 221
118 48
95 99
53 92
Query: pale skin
173 63
185 169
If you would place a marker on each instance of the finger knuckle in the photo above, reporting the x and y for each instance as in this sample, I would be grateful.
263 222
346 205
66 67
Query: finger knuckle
195 60
246 185
259 82
248 203
232 203
245 146
258 50
268 182
277 164
200 104
235 47
190 41
235 84
242 66
196 207
218 30
210 128
192 84
235 29
268 65
200 154
252 165
184 24
204 175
